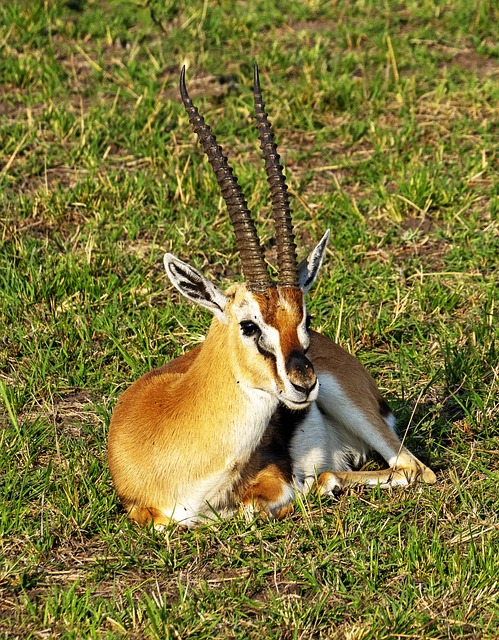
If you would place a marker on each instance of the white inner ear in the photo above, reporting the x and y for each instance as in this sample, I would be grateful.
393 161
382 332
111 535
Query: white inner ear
194 286
309 268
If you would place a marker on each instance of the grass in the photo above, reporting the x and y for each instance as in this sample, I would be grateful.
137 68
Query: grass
385 116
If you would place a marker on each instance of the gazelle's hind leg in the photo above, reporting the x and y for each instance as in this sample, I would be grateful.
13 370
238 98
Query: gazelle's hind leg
149 515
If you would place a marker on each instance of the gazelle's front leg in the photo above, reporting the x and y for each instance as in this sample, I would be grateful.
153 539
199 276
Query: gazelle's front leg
370 421
403 472
269 494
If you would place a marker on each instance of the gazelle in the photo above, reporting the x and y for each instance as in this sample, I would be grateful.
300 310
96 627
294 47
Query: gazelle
264 408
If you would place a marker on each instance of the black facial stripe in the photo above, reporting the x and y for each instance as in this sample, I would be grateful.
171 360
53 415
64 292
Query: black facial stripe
269 356
265 353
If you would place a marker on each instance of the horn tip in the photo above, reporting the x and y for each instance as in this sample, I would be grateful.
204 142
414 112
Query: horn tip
256 77
183 90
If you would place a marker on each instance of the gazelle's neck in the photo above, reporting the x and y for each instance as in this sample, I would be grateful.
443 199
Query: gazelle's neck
223 401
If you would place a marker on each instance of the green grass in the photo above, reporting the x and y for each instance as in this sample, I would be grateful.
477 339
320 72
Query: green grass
386 116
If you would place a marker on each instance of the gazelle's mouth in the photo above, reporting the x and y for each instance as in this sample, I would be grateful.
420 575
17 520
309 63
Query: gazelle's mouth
296 404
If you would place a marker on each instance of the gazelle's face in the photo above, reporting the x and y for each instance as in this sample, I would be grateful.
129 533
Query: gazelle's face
263 337
269 333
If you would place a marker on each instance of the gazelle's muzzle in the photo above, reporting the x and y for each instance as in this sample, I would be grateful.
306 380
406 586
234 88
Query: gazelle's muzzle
301 373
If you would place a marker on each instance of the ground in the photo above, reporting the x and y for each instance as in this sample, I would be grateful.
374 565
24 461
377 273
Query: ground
386 120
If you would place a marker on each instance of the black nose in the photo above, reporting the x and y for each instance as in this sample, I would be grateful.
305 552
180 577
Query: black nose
300 371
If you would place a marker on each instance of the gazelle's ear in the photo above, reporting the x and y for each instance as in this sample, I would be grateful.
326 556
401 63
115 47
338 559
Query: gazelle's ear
309 268
195 286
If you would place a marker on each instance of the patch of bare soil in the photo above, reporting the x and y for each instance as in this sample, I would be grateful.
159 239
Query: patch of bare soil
480 65
470 60
466 58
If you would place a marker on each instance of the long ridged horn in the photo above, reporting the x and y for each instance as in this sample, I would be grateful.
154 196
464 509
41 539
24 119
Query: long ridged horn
252 260
285 239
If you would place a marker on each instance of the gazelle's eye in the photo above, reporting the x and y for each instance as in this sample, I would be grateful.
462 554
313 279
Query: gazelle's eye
249 328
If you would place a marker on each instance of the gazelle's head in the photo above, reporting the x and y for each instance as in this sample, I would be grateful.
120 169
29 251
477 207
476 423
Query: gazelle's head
265 322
